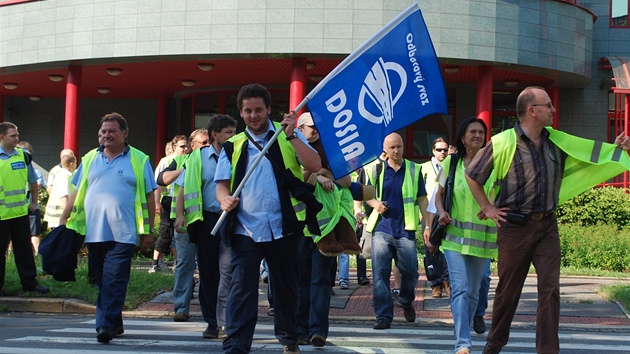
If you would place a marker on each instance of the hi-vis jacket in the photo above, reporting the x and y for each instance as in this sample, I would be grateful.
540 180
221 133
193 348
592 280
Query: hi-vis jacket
409 193
588 162
180 160
13 178
193 198
138 160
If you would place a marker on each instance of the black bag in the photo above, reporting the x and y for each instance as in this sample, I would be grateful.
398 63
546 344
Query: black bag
437 230
432 266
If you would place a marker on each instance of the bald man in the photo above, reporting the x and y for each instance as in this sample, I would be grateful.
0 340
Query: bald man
57 168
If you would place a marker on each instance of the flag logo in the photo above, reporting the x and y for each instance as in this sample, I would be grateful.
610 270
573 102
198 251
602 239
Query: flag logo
378 88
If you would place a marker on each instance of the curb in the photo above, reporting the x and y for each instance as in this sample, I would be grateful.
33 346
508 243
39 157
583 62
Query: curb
46 305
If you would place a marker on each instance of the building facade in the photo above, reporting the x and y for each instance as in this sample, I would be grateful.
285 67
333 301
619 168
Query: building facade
168 65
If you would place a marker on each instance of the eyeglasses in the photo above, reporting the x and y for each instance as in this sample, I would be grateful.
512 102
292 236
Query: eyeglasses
441 149
182 146
548 105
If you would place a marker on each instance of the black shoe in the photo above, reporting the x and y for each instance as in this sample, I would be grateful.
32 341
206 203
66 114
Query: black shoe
410 313
291 348
222 334
117 331
211 332
104 334
303 340
479 325
271 312
318 340
490 350
363 281
181 317
382 324
38 289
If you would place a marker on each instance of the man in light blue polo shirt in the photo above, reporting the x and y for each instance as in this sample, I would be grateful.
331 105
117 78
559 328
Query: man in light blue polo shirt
268 220
115 206
213 256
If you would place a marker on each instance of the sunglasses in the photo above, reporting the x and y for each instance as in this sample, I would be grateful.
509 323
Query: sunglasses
442 150
182 146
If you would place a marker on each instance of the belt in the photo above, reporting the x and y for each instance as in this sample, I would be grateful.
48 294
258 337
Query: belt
540 216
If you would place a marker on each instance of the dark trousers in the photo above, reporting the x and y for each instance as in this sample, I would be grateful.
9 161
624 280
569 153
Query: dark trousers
443 265
242 303
536 242
112 266
314 289
361 263
18 230
208 264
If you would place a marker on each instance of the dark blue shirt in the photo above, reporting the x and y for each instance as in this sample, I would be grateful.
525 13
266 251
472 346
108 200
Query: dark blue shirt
392 222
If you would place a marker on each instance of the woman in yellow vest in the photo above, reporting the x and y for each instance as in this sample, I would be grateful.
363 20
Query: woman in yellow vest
469 242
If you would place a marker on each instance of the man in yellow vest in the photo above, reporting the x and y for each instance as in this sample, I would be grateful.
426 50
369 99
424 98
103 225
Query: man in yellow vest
400 198
197 211
16 171
535 168
113 206
268 219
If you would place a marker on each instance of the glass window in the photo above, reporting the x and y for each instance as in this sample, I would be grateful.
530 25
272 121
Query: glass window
619 13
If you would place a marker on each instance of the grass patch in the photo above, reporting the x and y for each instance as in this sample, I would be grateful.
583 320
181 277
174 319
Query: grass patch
620 293
142 285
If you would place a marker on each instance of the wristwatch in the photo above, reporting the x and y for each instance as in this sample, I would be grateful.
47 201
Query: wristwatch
292 136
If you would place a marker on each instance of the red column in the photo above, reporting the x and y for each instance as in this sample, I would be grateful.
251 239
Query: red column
160 134
554 95
298 83
484 97
71 124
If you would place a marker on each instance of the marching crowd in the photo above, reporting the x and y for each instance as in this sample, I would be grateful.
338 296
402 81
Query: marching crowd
294 217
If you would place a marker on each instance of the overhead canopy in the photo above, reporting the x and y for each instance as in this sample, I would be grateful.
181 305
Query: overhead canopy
619 66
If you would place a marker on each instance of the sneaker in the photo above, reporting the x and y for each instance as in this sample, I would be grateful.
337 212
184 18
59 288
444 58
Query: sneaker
318 340
211 332
490 350
363 281
222 333
154 268
410 313
382 324
437 292
181 317
479 325
291 348
343 285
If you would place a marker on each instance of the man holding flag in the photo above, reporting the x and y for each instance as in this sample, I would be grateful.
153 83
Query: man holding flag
268 219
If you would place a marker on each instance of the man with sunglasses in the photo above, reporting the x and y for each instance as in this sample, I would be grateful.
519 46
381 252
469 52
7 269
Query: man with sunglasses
430 170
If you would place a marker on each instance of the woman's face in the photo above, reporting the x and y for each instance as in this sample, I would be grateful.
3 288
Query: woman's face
474 136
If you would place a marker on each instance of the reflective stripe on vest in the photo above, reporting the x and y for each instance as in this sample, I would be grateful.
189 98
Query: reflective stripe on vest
193 199
180 160
14 202
138 160
409 193
336 204
288 156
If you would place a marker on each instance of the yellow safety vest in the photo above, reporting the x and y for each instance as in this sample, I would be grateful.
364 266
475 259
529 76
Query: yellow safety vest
193 198
181 159
588 162
337 204
138 160
288 156
409 193
467 234
14 174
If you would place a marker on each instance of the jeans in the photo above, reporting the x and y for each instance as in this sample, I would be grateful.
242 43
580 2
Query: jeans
184 272
112 266
344 269
403 251
482 304
314 289
465 278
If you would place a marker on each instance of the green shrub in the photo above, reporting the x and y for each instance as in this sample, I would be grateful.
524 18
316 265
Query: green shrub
597 206
595 246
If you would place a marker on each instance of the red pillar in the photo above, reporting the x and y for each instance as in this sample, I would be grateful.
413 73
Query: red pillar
71 124
160 134
297 90
554 95
484 97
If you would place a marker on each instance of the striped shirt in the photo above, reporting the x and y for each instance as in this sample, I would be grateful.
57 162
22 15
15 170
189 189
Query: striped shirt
532 184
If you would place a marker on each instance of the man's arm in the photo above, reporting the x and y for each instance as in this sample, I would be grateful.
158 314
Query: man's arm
490 211
146 241
168 175
227 201
34 188
309 157
180 219
157 196
68 208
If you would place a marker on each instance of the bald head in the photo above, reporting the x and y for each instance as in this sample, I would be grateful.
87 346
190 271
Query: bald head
66 152
393 147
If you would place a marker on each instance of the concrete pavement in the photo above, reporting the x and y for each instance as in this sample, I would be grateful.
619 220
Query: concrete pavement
581 305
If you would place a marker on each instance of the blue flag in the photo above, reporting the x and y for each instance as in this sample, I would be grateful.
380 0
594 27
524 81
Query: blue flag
389 82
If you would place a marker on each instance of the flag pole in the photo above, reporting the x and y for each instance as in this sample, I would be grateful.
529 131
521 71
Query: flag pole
253 166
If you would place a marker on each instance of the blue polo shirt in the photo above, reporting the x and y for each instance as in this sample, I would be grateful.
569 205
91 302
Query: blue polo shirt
392 222
209 157
109 199
258 211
